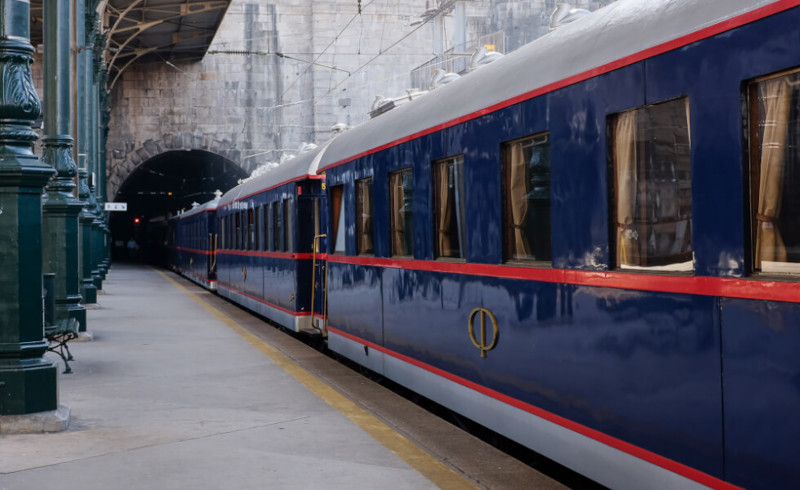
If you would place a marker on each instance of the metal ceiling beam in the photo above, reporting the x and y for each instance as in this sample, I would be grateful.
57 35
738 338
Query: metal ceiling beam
138 53
120 35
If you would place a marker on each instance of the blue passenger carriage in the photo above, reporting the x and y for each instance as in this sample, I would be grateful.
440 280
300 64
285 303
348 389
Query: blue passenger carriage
271 232
592 246
193 239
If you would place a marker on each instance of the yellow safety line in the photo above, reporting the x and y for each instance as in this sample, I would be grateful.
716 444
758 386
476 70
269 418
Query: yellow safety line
417 458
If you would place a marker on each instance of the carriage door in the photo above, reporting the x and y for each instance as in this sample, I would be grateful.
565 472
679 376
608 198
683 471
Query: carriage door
319 279
312 207
212 254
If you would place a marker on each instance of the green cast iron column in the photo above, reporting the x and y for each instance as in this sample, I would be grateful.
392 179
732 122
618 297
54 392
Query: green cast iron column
99 114
61 208
27 378
86 218
87 144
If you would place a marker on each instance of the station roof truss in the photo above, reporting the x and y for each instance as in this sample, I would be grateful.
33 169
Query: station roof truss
142 31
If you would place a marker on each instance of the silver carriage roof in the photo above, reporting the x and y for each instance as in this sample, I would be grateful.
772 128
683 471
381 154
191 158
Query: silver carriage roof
298 167
206 206
611 34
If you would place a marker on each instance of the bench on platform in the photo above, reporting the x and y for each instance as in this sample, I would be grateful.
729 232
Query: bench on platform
58 335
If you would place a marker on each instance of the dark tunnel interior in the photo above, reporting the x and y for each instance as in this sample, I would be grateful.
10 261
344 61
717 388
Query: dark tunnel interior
158 189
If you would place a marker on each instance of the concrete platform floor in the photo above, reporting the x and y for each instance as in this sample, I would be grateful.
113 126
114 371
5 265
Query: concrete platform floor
181 390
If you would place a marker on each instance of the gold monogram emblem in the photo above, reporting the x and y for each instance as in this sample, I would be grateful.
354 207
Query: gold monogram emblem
481 344
244 273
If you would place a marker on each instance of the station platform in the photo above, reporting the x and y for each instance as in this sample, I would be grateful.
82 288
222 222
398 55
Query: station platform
180 389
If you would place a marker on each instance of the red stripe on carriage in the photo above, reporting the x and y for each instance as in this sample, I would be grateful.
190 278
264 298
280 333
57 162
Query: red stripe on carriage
747 288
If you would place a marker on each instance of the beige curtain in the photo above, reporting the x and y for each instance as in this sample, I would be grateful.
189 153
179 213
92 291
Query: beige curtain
365 217
625 168
336 208
776 95
445 218
398 217
518 195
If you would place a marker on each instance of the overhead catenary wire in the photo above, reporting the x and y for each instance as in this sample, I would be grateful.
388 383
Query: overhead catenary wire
244 52
408 34
331 43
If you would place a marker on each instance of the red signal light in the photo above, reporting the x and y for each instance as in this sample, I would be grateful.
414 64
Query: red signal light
135 221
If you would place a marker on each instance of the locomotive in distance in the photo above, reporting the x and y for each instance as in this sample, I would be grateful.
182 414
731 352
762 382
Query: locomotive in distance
590 246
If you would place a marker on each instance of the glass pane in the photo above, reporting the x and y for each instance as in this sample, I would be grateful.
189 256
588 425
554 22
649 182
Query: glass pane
448 203
775 173
653 187
237 231
401 210
251 243
339 244
526 165
267 215
287 220
243 237
364 216
277 228
337 217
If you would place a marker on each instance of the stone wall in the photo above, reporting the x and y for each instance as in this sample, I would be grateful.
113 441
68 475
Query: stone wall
280 74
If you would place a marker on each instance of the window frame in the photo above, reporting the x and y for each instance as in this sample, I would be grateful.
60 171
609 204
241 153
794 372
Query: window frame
458 212
509 227
277 227
761 221
644 147
365 236
392 217
288 224
337 220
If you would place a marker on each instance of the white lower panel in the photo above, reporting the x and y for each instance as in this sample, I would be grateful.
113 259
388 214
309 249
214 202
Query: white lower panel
369 358
596 460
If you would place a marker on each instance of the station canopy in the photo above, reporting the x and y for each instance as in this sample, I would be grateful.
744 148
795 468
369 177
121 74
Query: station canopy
141 31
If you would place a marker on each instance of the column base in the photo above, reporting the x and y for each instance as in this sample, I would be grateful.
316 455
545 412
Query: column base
28 385
78 312
89 292
32 423
84 337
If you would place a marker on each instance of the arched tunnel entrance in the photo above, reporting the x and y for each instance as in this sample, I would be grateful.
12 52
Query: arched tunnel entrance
157 189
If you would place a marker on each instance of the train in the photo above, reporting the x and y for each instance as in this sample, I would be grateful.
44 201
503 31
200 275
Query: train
590 246
192 242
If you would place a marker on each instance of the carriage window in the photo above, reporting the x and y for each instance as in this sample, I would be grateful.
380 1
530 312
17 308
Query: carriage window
287 225
337 218
449 218
526 199
401 211
243 236
653 187
231 236
221 230
229 231
277 228
774 151
267 228
251 230
364 216
237 231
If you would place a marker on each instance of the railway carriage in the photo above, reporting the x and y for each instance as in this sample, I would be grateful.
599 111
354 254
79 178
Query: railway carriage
592 245
193 239
271 233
